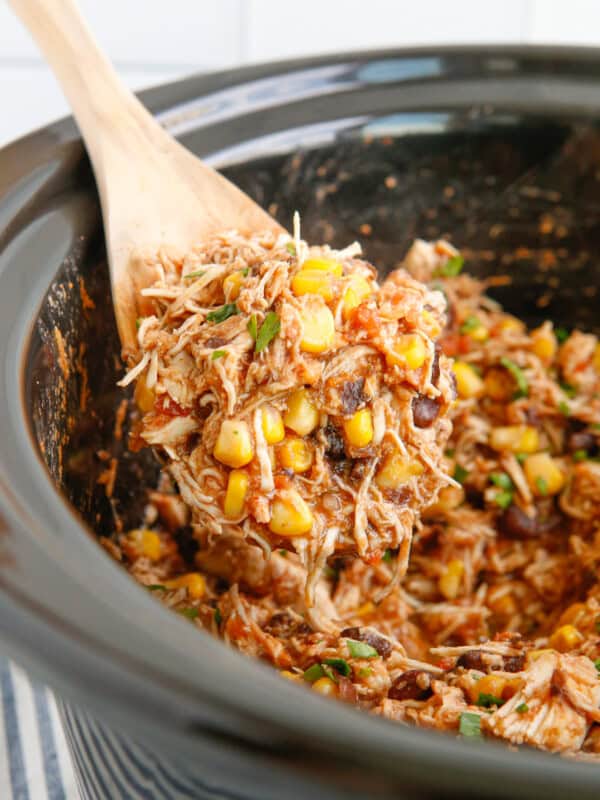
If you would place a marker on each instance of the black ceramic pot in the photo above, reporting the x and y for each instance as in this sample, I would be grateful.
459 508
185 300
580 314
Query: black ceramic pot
496 148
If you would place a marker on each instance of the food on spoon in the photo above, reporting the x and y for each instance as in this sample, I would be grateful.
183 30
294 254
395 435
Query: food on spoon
299 403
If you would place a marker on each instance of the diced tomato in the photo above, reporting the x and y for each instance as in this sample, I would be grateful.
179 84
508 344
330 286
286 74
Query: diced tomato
456 344
236 628
374 558
446 663
169 408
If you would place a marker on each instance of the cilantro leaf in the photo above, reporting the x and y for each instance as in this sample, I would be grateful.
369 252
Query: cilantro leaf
522 708
218 617
460 473
502 480
267 331
562 334
518 375
488 700
223 313
503 499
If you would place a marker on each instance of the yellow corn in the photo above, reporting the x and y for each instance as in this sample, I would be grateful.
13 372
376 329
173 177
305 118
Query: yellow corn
291 676
533 655
515 438
318 329
505 605
359 428
544 344
194 582
234 444
498 384
235 496
301 416
313 282
574 613
146 543
397 470
489 684
449 498
512 325
364 610
295 454
543 474
449 582
326 687
272 425
290 516
358 289
324 265
479 333
409 351
432 325
596 359
468 382
565 638
143 396
232 285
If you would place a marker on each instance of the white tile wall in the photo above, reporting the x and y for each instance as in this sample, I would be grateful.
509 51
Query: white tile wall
152 41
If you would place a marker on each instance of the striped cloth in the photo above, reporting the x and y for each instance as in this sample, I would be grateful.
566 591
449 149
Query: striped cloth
34 758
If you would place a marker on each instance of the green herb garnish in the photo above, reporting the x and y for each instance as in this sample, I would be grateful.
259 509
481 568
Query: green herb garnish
503 499
339 664
267 331
223 313
518 375
470 324
542 485
218 617
157 587
252 327
329 673
291 248
597 624
460 474
502 480
245 272
564 408
365 672
562 334
470 725
330 572
190 613
218 354
449 452
452 267
595 426
488 700
569 390
361 649
522 708
197 274
521 457
138 322
313 673
387 556
597 664
580 455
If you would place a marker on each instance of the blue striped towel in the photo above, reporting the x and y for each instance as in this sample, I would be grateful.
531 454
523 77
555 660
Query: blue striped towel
34 758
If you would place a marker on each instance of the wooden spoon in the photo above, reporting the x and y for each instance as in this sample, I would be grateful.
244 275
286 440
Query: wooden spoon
153 191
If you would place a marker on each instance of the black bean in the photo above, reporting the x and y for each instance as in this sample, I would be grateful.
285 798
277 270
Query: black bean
285 625
516 524
513 663
353 396
216 341
472 659
379 643
581 440
425 410
335 449
415 684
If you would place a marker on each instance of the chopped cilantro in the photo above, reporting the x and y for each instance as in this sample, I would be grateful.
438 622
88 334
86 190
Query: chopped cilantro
252 327
449 452
542 485
190 613
330 572
580 455
521 457
460 473
361 649
518 375
291 248
157 587
217 616
245 272
197 274
470 725
338 664
313 673
330 673
218 354
452 267
283 553
267 331
470 324
564 408
597 624
138 322
522 708
387 556
488 700
562 334
223 313
597 664
569 390
365 672
503 499
502 480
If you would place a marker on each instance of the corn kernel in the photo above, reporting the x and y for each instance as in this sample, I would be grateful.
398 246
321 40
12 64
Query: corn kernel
313 282
291 676
565 638
596 359
326 687
544 344
396 471
290 516
543 474
515 438
318 329
533 655
359 428
194 582
364 610
433 327
234 445
479 333
409 351
295 454
232 285
505 605
272 425
574 613
235 496
449 498
512 325
489 684
146 543
324 265
468 382
143 396
449 582
498 384
358 289
301 416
